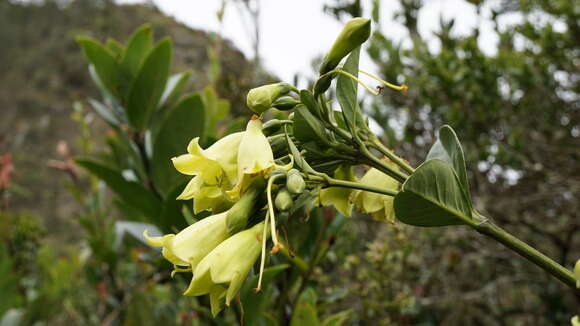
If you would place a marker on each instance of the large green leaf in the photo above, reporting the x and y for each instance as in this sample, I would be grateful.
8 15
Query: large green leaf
298 158
305 313
448 148
149 84
138 47
105 113
346 91
216 109
172 219
132 193
106 66
255 304
432 196
182 123
175 84
307 127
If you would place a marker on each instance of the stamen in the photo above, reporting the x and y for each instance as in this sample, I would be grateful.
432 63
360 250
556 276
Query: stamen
277 244
177 269
263 258
403 87
372 91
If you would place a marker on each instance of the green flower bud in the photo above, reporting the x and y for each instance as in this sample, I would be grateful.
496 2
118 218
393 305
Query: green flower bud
283 200
260 98
294 182
354 33
285 103
279 146
237 216
271 127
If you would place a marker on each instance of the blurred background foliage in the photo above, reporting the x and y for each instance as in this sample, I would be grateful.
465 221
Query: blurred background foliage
68 256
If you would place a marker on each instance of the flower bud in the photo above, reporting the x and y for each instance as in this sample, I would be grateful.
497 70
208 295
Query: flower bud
279 146
271 126
283 200
260 98
285 103
294 182
354 33
237 216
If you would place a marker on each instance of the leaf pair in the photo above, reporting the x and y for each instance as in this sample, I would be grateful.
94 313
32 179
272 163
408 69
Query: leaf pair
437 193
136 76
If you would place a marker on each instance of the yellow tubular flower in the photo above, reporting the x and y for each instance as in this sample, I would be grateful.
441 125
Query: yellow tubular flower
337 196
215 170
381 206
222 272
188 247
254 156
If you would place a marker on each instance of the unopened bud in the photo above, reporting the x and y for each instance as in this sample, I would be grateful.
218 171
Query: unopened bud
294 182
285 103
243 209
261 98
354 33
271 126
283 200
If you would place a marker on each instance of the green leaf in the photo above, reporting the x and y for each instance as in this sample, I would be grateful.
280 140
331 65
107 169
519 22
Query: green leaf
105 113
133 193
255 304
305 313
337 319
216 110
115 47
8 282
346 91
175 84
448 148
107 68
138 47
298 158
307 127
308 99
172 219
432 196
182 123
149 84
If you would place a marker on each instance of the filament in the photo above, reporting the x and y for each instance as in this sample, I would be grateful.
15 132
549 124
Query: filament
403 87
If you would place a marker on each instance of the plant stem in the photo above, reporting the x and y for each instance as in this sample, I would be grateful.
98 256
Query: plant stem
376 143
382 166
331 182
546 263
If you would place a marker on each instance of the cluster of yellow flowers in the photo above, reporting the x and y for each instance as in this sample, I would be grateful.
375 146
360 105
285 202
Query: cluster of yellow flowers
220 260
231 179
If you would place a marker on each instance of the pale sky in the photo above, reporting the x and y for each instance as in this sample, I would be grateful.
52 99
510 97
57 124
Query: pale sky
293 32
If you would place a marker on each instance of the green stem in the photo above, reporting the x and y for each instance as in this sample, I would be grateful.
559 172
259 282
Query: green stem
546 263
331 182
376 143
382 166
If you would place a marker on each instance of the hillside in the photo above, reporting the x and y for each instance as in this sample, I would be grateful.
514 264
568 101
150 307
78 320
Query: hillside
42 72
